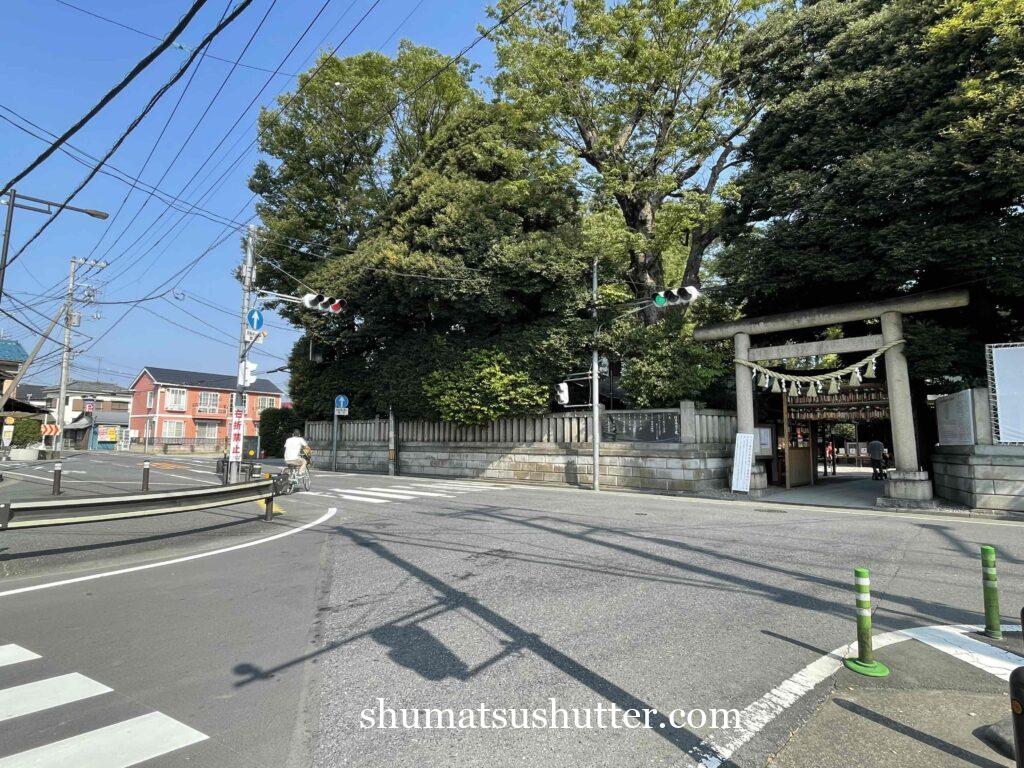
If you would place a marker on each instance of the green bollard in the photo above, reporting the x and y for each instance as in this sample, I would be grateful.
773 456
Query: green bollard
865 663
990 590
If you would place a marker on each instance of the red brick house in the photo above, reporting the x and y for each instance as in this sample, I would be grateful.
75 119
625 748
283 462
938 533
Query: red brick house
172 407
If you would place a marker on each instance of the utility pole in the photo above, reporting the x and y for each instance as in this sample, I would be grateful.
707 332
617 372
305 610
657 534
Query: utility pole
595 385
235 452
65 358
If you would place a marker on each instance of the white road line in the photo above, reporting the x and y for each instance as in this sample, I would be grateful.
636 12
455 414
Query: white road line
187 558
714 751
474 486
117 746
404 489
202 471
375 494
46 694
987 657
346 497
15 654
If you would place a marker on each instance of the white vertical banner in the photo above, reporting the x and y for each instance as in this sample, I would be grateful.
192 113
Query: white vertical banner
237 433
742 458
1006 384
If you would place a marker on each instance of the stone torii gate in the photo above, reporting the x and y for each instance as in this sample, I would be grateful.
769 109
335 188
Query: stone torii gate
907 485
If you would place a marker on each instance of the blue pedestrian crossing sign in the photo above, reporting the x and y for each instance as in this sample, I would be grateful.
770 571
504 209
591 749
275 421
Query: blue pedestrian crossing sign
254 319
341 401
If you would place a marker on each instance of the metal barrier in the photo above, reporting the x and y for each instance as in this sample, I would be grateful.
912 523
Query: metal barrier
90 509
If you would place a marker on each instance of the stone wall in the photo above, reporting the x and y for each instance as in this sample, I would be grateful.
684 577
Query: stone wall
987 478
643 466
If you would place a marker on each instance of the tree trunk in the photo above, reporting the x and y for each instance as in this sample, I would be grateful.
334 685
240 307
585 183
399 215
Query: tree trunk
645 270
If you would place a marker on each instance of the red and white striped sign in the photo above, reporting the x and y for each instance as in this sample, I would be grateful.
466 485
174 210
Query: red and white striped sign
50 430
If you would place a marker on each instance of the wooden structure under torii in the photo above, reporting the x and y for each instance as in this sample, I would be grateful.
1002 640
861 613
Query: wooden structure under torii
907 485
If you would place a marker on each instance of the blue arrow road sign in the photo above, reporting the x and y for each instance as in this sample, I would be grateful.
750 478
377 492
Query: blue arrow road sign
341 401
254 319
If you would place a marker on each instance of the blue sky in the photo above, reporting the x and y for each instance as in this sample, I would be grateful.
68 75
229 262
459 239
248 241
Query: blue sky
59 61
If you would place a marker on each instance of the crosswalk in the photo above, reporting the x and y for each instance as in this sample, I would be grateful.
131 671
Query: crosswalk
409 491
118 745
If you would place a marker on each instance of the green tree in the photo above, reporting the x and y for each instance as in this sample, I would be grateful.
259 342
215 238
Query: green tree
340 144
26 432
481 388
890 160
276 426
478 249
642 93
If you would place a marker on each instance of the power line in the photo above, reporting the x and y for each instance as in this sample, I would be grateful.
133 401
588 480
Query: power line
109 95
156 142
179 46
195 126
131 127
212 153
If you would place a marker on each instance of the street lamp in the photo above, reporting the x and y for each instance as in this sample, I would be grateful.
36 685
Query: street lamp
12 202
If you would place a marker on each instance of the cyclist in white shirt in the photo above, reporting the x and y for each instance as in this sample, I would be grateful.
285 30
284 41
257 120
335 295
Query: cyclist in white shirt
295 448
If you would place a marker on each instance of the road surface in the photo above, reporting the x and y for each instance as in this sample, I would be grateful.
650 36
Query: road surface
216 639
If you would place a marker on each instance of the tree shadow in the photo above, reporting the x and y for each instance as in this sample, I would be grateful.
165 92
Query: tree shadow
517 638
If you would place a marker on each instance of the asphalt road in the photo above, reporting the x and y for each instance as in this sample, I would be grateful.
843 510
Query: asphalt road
224 647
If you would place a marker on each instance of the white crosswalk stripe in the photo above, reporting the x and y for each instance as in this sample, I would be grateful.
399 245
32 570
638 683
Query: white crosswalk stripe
45 694
406 490
376 494
117 746
15 654
120 745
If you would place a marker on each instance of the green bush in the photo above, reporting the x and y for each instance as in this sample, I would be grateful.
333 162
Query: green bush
482 388
276 425
26 433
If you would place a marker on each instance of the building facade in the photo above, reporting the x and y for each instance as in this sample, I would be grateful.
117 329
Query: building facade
95 413
192 408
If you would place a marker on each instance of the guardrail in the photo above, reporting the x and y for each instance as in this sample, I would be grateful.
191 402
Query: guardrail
31 513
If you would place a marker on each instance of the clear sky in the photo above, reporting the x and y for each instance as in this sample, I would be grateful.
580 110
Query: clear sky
59 61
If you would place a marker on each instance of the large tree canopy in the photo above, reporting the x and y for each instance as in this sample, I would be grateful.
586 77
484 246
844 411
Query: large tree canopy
341 142
890 160
643 93
478 250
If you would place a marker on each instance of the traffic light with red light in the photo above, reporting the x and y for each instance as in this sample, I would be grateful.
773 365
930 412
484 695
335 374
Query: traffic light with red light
324 303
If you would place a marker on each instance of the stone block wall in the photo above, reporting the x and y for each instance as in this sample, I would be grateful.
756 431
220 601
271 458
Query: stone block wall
643 466
987 478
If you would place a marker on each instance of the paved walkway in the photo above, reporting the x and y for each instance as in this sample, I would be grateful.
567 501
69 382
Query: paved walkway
851 487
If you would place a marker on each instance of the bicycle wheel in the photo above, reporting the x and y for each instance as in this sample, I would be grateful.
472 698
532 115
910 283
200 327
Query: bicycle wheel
305 480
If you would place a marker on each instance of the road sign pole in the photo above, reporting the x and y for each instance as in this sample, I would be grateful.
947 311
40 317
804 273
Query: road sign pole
334 442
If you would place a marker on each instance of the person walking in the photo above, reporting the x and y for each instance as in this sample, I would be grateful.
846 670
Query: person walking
876 452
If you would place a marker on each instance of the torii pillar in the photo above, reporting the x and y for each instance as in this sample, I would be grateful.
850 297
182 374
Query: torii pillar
906 486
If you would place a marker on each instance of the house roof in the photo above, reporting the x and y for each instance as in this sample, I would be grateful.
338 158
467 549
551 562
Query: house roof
31 391
226 381
12 351
76 387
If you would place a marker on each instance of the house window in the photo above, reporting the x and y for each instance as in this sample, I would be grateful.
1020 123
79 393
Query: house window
175 400
149 399
209 402
118 405
245 400
264 402
174 430
206 429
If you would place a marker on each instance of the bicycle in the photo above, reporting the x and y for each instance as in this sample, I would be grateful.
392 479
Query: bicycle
290 480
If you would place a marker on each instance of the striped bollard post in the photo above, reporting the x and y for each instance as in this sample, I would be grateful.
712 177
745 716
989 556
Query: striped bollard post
990 591
865 663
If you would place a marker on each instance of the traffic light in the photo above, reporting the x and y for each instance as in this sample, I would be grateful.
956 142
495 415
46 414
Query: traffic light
562 393
246 374
324 303
684 294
